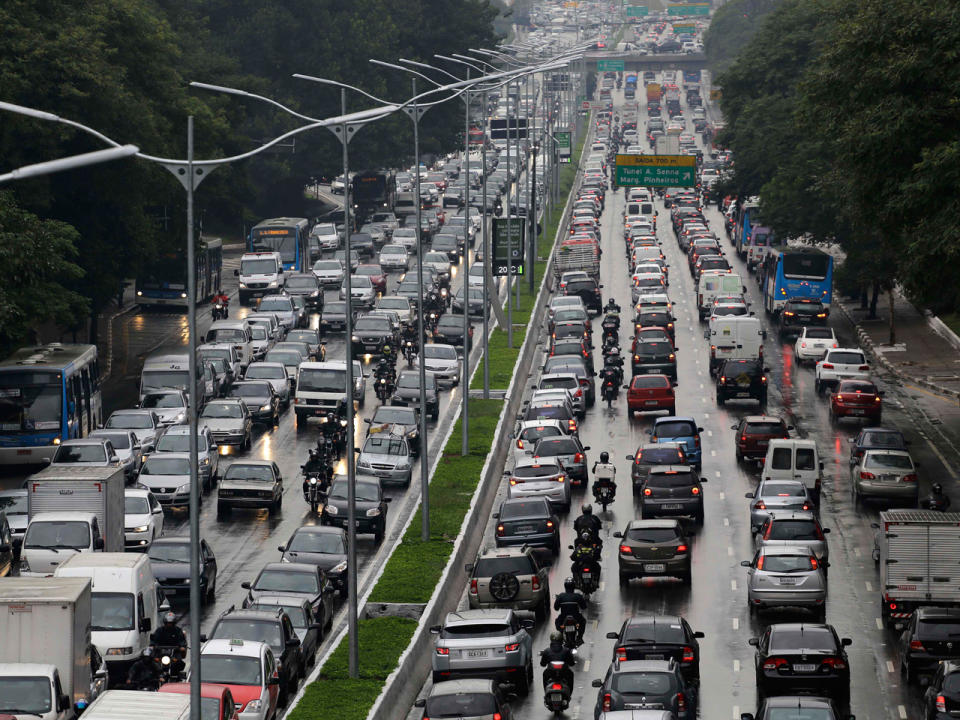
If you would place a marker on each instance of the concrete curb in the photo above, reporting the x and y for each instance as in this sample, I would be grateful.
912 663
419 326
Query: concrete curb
403 685
941 329
108 351
866 342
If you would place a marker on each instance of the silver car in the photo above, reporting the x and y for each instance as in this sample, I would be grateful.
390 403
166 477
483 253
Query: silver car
540 477
91 451
276 374
484 643
229 421
398 304
570 383
467 699
167 476
394 257
787 528
177 439
169 405
260 342
787 576
777 496
327 235
386 457
888 474
440 262
126 446
144 423
282 307
361 290
329 272
443 361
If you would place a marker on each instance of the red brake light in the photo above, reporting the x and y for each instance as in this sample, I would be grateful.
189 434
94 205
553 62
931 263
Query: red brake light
759 505
694 490
497 716
535 583
647 492
512 647
863 367
681 702
916 645
549 524
520 443
760 563
814 564
606 702
625 549
941 704
473 587
688 655
835 663
681 549
828 366
578 457
909 478
443 651
500 529
572 424
774 663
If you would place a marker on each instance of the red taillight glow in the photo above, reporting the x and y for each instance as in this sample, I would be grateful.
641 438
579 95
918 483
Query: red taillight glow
606 702
578 458
828 366
473 587
909 478
864 475
774 663
549 524
520 444
916 645
681 702
512 647
443 651
813 563
648 492
535 583
835 663
941 704
500 529
759 505
688 656
621 653
694 491
681 549
625 549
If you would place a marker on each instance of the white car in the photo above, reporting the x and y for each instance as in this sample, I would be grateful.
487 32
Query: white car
276 374
813 343
407 237
329 272
142 519
398 304
841 364
394 257
144 423
126 446
443 361
327 236
251 671
167 475
169 405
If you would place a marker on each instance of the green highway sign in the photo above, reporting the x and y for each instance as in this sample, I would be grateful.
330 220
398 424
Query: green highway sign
508 249
689 9
563 146
684 28
656 170
613 65
637 11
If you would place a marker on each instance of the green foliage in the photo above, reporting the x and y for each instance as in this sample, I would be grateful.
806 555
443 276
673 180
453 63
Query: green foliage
732 26
37 257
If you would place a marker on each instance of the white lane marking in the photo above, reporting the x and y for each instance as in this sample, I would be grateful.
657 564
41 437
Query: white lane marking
903 712
726 522
709 433
713 453
595 624
717 473
736 623
856 551
736 666
879 624
868 585
586 665
736 712
701 384
733 584
707 415
730 550
723 495
889 666
602 585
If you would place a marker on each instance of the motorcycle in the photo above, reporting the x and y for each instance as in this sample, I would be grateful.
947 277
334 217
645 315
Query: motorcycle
219 311
609 392
172 666
611 336
603 493
586 575
410 351
569 631
383 387
556 696
313 491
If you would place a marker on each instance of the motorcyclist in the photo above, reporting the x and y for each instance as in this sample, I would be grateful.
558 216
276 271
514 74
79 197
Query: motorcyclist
609 375
586 545
587 522
611 306
571 602
605 474
385 369
220 298
936 500
144 672
315 465
558 652
168 634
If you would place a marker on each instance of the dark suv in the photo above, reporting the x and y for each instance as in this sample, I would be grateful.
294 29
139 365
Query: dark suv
932 635
665 453
941 701
798 314
645 683
588 291
655 357
738 379
754 433
671 491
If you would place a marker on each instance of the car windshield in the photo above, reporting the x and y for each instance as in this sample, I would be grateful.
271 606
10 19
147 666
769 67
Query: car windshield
365 492
130 421
180 442
258 267
327 265
111 611
300 283
222 410
159 465
258 332
670 478
661 456
265 372
58 534
675 429
170 552
409 380
533 508
782 529
765 428
369 270
384 446
513 565
642 683
558 446
644 382
891 461
460 705
652 535
809 638
372 322
799 713
360 282
781 489
662 631
542 470
439 352
14 503
394 414
80 454
286 357
251 390
230 670
25 695
394 304
820 333
267 631
323 543
476 630
284 581
785 563
254 473
532 434
654 347
136 505
163 400
892 440
846 358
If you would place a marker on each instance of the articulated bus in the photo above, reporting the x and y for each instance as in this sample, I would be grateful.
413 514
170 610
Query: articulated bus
788 273
165 282
48 394
287 236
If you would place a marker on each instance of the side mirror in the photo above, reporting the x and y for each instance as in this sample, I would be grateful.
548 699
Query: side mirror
420 702
496 516
753 641
698 634
746 563
746 716
613 635
63 702
846 642
245 585
618 534
98 543
596 683
748 495
699 429
468 567
282 548
875 526
826 530
203 637
146 624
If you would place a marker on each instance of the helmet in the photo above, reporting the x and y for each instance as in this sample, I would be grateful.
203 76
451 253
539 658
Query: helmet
556 637
936 489
169 618
587 509
569 585
585 536
147 652
604 457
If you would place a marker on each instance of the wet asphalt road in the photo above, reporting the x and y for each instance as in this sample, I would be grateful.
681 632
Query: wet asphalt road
715 602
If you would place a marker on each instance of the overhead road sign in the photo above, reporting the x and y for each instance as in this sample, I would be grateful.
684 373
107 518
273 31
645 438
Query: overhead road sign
689 9
656 170
508 249
610 65
637 11
517 128
563 145
685 28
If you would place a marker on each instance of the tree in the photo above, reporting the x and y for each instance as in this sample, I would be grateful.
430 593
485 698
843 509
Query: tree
733 25
37 256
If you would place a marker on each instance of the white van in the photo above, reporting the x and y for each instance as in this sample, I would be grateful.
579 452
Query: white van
321 387
713 283
734 337
124 602
169 369
260 273
234 332
52 537
794 459
127 704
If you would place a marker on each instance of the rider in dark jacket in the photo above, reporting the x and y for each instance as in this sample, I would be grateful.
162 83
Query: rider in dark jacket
571 602
144 672
560 653
588 521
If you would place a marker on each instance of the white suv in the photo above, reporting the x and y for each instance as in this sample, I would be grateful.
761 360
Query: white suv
841 364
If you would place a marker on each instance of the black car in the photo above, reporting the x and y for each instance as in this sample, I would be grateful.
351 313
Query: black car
573 346
371 507
307 286
646 683
334 316
874 438
170 562
323 546
528 521
363 243
941 701
652 454
578 366
589 291
397 420
260 398
659 637
671 491
408 392
800 313
570 329
795 706
475 298
932 634
656 317
272 627
802 658
742 379
447 243
654 357
370 332
300 580
450 331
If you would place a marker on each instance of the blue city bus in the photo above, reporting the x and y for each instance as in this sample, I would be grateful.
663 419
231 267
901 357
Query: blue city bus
48 394
788 273
287 236
164 282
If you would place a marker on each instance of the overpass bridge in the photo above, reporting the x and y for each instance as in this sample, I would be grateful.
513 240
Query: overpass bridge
634 61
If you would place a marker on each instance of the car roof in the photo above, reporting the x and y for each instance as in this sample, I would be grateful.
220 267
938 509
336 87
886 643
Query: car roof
529 460
655 523
624 666
247 613
251 461
491 615
290 567
799 550
465 685
798 701
319 530
762 418
244 648
791 515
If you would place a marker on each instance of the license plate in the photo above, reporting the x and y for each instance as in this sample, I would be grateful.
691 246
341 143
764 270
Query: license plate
658 656
805 668
788 580
654 567
570 628
651 371
856 412
650 403
525 529
671 506
586 574
744 393
476 653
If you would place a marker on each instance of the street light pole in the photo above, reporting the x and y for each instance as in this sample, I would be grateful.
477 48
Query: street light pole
465 377
486 259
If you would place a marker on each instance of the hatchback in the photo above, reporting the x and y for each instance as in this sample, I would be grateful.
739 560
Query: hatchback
794 528
753 434
887 474
649 454
813 343
569 451
647 393
370 504
301 580
941 701
654 357
777 496
786 577
646 684
536 477
931 635
527 521
320 545
468 699
653 548
659 637
856 398
681 430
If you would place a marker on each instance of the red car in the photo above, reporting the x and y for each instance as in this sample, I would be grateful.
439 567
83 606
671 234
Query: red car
856 398
215 700
651 392
376 275
754 433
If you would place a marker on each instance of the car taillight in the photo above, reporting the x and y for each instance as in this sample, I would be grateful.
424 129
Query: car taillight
694 491
835 663
803 344
876 398
672 357
497 716
473 587
917 645
572 424
520 444
760 563
512 647
941 704
535 583
774 663
606 702
500 529
814 563
513 481
909 478
759 505
688 655
863 367
443 651
681 549
578 393
828 366
681 702
723 378
648 492
578 458
625 549
805 507
696 441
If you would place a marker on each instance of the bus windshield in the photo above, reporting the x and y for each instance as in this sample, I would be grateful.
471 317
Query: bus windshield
286 244
808 266
30 401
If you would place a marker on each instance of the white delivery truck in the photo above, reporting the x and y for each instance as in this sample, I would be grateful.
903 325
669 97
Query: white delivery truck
48 667
124 600
78 488
139 705
919 561
734 337
713 283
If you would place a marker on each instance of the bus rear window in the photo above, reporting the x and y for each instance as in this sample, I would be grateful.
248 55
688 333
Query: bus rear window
805 265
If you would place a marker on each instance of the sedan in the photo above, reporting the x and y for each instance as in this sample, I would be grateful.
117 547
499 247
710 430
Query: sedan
329 273
476 301
449 330
786 577
250 484
777 496
169 405
297 580
394 257
167 476
442 361
569 452
408 392
533 477
659 637
125 446
261 399
387 458
229 421
931 635
801 529
361 290
856 398
886 474
527 521
170 563
371 507
647 393
639 683
320 545
144 423
142 519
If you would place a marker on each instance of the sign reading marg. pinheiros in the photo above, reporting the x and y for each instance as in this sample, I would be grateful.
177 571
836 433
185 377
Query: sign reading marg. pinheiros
656 170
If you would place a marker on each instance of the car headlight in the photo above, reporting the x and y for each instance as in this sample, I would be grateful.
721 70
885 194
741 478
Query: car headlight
180 418
265 407
354 338
120 651
242 285
403 465
363 464
331 509
254 704
184 488
373 512
339 567
273 284
205 461
141 528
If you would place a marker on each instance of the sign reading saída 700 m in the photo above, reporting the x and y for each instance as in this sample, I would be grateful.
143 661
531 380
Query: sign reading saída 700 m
656 170
506 251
